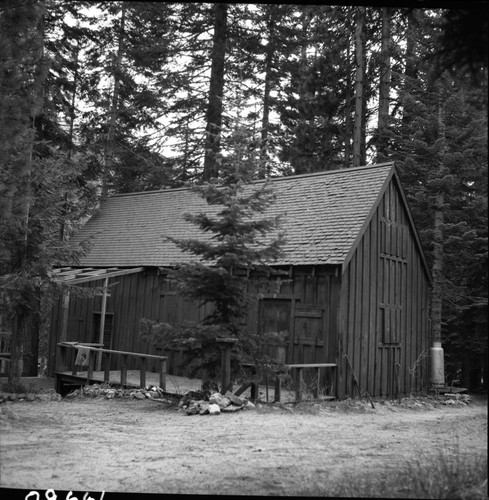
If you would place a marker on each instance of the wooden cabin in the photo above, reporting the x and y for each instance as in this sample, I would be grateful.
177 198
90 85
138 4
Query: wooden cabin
353 280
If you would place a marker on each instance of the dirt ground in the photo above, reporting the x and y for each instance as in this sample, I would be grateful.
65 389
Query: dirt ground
127 445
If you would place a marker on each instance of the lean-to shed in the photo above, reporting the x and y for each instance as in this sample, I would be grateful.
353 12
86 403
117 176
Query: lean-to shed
353 279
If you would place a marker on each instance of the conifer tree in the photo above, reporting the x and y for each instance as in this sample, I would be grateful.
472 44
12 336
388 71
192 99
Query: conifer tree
442 157
241 240
34 173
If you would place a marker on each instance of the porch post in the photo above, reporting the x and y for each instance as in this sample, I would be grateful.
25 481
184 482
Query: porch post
64 318
102 323
226 344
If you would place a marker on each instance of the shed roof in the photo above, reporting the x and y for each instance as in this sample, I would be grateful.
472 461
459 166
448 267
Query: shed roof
323 213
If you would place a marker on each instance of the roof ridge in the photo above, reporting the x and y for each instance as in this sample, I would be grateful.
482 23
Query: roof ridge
273 179
328 172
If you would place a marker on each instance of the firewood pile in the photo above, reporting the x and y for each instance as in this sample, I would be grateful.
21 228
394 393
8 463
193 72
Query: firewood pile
195 403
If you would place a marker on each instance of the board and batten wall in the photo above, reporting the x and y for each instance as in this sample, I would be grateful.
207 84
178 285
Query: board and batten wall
301 300
384 313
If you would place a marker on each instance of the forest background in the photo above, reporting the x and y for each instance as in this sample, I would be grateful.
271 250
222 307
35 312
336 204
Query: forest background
100 98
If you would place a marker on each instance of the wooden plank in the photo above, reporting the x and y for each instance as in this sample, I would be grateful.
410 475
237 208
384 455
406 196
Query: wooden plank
127 340
407 322
311 365
420 324
103 310
301 313
123 330
152 308
142 371
112 274
124 369
290 354
415 324
111 351
379 299
350 339
356 352
65 312
91 362
106 366
115 305
162 373
365 320
324 301
137 299
402 353
310 289
342 333
373 306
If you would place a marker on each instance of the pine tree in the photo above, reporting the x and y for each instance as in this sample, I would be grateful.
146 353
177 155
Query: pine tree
33 175
241 241
442 159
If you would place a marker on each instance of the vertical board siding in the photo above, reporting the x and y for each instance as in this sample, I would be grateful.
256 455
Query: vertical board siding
385 305
365 312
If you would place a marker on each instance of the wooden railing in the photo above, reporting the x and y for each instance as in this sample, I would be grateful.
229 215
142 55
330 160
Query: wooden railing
295 371
298 367
67 352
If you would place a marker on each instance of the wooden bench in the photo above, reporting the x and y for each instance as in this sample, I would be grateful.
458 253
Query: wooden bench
91 350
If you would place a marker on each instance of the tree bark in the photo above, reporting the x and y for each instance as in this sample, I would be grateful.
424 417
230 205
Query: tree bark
64 208
410 71
384 88
216 90
348 110
270 50
114 107
25 325
358 125
437 270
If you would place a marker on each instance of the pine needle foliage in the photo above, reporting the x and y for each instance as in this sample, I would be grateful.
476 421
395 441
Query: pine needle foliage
239 241
242 241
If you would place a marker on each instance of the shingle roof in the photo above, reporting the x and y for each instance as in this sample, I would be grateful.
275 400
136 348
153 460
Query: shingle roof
323 214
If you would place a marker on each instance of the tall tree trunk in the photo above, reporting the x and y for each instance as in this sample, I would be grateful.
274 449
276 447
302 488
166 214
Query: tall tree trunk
25 327
270 50
358 125
348 110
384 88
437 271
300 161
64 208
410 71
114 106
216 90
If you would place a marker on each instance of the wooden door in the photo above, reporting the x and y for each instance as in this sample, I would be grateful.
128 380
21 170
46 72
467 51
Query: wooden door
275 317
308 335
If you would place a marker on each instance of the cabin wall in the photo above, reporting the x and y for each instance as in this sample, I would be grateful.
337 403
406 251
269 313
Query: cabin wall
305 303
384 325
131 297
301 300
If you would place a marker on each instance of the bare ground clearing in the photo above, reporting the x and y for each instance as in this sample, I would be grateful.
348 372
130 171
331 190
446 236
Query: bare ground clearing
127 445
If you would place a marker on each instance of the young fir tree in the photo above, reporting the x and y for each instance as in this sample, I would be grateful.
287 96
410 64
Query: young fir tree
243 239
